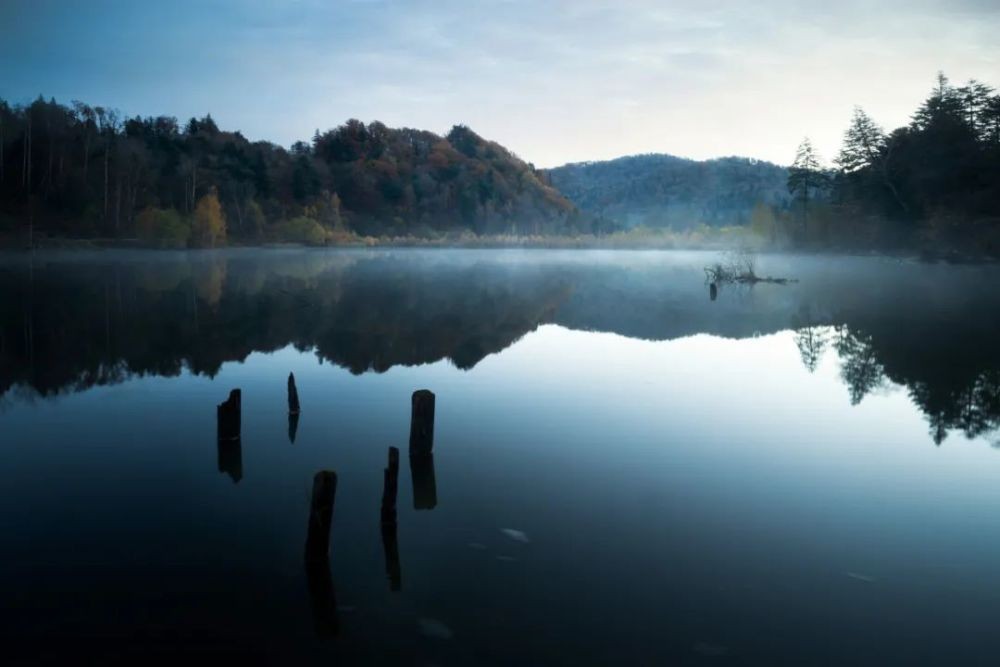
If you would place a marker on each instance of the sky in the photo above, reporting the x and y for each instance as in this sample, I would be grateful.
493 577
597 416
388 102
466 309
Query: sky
555 81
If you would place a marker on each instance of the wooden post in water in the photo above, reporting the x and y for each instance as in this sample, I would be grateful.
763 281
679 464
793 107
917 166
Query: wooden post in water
231 459
228 416
322 598
422 422
713 291
390 486
424 483
293 426
321 515
389 542
293 395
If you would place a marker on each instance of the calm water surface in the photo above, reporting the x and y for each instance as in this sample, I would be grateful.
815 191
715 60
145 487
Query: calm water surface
624 471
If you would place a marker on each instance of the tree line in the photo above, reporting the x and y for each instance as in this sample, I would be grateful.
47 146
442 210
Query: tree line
932 183
664 191
89 171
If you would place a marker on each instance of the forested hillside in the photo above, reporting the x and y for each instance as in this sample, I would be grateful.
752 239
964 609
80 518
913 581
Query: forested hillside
83 171
668 191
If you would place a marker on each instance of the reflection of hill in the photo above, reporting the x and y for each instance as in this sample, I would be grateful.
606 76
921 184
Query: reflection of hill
67 323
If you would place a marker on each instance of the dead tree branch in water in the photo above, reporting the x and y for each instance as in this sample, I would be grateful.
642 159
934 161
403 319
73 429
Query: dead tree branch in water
739 266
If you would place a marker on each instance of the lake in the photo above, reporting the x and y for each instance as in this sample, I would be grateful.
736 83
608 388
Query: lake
624 470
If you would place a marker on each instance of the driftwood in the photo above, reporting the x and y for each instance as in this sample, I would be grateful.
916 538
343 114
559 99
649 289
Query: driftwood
718 274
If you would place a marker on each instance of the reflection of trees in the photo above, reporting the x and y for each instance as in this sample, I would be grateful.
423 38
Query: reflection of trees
68 324
76 325
953 396
859 366
973 409
812 342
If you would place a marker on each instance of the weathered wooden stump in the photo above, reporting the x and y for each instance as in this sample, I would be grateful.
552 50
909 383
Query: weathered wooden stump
422 422
424 484
321 515
389 543
228 416
390 486
293 395
713 291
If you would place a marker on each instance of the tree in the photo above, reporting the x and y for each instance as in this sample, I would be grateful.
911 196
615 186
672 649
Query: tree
864 143
805 177
975 100
209 221
867 149
162 227
991 120
944 106
763 222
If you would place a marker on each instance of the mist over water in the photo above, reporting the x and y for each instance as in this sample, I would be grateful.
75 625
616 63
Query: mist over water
624 470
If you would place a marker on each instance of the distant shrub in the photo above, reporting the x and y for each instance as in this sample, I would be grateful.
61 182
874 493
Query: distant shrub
300 230
163 227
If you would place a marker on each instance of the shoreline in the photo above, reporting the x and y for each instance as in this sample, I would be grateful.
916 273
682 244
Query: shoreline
625 242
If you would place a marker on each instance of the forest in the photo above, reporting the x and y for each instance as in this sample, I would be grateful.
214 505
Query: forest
665 191
933 184
84 171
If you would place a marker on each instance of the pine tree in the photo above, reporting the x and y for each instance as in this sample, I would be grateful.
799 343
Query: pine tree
805 176
864 143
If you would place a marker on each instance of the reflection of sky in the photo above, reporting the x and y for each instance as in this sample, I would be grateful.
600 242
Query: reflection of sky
557 81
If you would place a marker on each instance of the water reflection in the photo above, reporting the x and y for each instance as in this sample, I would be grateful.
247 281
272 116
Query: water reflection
928 328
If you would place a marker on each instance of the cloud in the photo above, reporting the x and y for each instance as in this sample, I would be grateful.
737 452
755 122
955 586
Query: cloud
555 81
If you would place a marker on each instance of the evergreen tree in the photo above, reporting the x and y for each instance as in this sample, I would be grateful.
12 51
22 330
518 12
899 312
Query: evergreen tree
805 177
864 143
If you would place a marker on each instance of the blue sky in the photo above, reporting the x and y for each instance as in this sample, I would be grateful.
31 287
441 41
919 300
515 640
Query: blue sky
555 81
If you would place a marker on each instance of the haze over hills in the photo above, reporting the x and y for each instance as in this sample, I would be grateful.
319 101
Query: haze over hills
658 190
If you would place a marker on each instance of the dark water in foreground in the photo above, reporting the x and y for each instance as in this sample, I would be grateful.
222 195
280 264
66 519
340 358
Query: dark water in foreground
624 471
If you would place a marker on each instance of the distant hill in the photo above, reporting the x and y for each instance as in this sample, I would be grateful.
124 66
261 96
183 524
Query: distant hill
667 191
84 171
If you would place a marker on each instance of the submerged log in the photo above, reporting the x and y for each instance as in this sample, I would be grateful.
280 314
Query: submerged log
228 415
321 515
422 422
293 395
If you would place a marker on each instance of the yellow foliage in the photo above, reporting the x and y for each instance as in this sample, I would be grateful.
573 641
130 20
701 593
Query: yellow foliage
209 221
